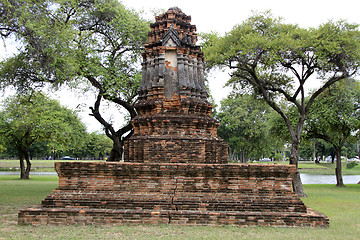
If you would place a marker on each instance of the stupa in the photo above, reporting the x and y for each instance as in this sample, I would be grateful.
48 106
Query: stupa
174 122
175 169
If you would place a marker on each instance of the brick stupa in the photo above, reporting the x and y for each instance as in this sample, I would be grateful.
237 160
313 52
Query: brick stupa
174 123
175 169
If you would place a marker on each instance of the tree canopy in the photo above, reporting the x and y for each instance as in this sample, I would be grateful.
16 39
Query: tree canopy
34 117
274 61
244 124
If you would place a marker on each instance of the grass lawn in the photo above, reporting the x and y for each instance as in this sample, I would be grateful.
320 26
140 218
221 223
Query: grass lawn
36 165
327 169
341 205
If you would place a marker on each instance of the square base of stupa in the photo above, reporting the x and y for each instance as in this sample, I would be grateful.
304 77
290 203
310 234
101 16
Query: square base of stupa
173 193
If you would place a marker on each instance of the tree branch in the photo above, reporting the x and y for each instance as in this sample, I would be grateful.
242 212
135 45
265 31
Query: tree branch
331 81
109 130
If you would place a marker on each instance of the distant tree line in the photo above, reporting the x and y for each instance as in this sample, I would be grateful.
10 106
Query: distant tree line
96 147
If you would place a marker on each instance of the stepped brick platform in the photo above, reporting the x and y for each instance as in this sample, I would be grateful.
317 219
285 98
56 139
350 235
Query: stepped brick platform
173 193
175 169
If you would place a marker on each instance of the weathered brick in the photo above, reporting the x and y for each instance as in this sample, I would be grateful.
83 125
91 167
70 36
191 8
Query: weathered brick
167 193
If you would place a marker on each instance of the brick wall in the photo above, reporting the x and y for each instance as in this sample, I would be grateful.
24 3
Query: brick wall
175 193
169 149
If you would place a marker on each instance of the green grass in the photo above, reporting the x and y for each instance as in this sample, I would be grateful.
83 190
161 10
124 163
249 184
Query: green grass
15 193
341 205
328 169
36 165
311 165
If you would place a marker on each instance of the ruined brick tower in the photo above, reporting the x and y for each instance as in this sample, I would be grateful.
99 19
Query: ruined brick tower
174 122
176 169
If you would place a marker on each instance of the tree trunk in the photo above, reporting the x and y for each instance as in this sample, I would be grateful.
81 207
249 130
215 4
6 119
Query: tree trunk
314 152
294 157
22 166
28 165
116 151
231 154
243 156
24 171
333 155
339 179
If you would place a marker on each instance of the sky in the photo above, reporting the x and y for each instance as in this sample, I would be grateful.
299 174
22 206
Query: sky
221 16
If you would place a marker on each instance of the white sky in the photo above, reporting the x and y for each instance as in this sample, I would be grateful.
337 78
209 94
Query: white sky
221 16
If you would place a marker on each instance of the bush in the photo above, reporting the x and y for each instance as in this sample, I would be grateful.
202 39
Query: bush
351 164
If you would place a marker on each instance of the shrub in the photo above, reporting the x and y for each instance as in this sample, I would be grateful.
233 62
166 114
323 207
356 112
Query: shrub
351 164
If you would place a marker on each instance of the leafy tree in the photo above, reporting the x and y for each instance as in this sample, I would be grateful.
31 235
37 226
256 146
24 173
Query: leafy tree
39 58
38 149
2 148
98 146
353 149
244 125
274 60
31 118
335 117
93 41
312 149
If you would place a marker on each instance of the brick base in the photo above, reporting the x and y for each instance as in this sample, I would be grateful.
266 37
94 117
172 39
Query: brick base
170 149
158 193
71 216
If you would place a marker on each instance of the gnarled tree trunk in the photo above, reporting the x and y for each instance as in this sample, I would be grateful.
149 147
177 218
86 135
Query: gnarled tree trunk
118 137
116 151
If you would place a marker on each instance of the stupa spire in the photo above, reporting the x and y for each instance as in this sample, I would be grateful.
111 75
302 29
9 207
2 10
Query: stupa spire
172 62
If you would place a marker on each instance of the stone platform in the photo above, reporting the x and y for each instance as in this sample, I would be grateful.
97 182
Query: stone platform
173 193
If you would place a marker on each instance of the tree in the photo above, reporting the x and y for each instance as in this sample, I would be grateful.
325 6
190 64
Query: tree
244 125
275 60
98 146
312 149
2 148
31 118
98 41
39 59
335 117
